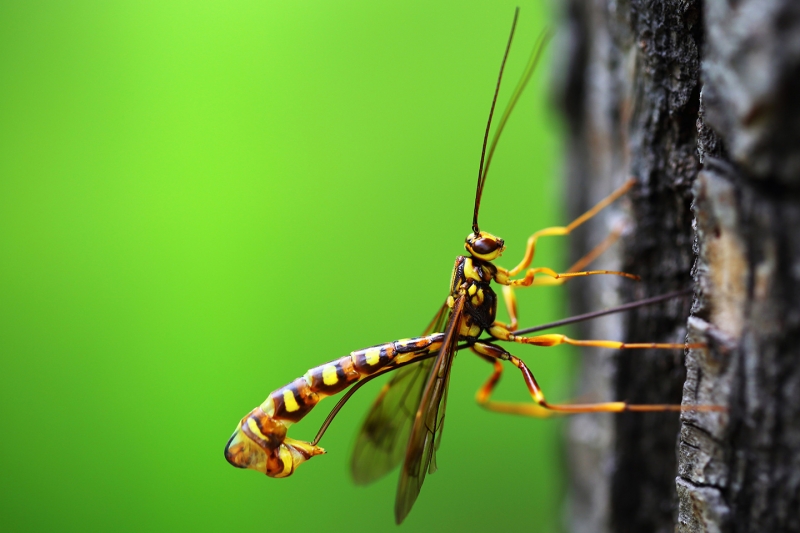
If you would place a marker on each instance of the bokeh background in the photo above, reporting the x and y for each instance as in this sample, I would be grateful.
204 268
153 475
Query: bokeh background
201 200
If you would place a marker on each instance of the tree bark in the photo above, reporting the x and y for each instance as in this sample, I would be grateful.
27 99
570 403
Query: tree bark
700 101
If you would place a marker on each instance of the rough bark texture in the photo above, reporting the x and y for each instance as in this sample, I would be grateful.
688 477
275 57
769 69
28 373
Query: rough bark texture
701 102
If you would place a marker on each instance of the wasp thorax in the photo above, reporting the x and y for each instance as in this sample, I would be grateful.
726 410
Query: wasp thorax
484 246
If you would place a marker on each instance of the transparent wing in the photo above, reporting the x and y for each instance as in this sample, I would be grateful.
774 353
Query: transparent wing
439 320
428 421
440 426
382 440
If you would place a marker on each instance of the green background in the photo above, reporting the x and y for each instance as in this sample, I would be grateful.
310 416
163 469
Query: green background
199 201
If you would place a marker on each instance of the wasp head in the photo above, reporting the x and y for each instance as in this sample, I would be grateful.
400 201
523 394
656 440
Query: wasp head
484 246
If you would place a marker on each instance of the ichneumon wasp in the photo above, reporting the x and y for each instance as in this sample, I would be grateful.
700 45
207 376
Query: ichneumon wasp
404 425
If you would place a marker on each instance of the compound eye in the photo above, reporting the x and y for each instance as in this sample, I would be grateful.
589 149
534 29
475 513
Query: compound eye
484 246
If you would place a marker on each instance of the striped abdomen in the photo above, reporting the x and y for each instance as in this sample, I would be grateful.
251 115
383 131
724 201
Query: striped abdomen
260 441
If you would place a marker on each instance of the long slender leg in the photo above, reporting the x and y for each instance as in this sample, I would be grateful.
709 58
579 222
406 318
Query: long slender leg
566 230
554 339
513 408
508 291
492 351
584 261
500 331
528 280
503 331
510 300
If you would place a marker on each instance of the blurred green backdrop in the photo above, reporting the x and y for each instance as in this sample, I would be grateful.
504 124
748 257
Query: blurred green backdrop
201 200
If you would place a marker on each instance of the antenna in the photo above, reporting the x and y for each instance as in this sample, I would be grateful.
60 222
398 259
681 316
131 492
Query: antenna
481 173
536 55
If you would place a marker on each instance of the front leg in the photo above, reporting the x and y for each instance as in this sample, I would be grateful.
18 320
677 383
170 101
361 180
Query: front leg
503 276
556 231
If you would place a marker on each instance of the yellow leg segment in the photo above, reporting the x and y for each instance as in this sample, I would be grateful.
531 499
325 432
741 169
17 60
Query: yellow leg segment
557 279
498 330
566 230
510 300
512 408
542 407
586 260
554 339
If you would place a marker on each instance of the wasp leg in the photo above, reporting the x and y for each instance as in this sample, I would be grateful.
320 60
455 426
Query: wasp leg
500 331
528 280
493 352
586 260
554 339
512 408
566 230
510 300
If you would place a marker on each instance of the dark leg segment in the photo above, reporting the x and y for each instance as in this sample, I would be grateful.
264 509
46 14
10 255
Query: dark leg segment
495 354
513 408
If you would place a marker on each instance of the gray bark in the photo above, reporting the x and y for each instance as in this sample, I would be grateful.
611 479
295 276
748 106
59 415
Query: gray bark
701 102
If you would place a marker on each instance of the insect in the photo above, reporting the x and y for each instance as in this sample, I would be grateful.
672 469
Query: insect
404 425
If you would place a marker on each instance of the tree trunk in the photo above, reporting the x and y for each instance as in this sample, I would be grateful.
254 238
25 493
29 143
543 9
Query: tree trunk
700 101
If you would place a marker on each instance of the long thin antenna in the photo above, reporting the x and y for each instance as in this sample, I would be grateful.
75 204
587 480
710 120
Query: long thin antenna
536 55
481 173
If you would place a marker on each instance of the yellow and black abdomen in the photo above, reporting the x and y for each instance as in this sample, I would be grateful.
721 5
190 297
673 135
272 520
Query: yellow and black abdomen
260 442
